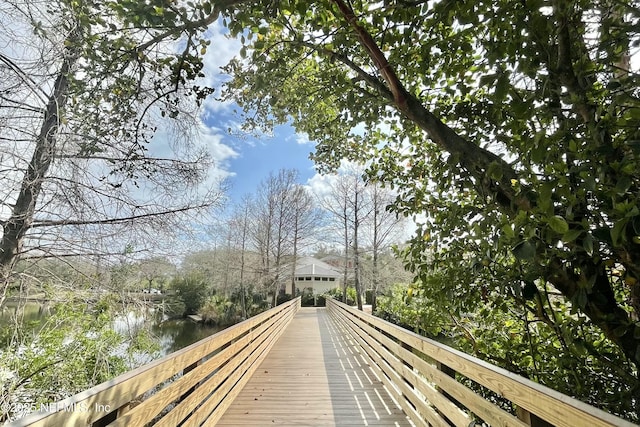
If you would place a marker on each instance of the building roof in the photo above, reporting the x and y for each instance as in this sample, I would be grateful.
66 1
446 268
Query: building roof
307 266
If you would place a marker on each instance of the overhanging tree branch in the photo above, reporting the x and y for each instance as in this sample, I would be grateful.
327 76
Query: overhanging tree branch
52 223
601 306
474 159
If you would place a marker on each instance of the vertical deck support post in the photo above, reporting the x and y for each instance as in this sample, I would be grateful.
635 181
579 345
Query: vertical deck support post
449 372
408 365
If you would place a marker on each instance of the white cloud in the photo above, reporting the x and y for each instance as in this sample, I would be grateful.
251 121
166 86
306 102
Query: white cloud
320 185
303 138
220 153
221 50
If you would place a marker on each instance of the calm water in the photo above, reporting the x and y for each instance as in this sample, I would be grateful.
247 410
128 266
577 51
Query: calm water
172 335
179 333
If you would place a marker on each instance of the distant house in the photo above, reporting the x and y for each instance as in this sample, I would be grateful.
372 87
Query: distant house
315 274
338 262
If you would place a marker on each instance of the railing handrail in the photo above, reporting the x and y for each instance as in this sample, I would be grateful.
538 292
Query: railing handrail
247 343
400 355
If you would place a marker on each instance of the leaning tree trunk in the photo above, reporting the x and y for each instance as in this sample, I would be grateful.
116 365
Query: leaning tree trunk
15 228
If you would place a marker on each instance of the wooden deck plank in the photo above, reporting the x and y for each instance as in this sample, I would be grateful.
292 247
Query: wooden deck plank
314 376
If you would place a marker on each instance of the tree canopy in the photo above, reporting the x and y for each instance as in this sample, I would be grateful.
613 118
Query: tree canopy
87 86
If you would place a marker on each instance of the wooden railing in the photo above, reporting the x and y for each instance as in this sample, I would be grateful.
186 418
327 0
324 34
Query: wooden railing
187 387
423 375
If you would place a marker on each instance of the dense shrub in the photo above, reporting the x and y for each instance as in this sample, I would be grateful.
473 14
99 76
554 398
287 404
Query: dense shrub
307 299
192 291
283 298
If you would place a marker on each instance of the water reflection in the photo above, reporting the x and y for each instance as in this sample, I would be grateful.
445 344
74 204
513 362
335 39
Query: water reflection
31 312
28 315
177 334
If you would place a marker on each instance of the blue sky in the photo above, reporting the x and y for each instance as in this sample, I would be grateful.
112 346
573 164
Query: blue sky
244 161
256 158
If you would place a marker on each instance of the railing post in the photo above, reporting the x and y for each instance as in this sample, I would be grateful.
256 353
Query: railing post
449 372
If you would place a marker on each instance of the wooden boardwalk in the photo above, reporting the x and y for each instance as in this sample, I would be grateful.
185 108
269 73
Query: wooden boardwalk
314 376
300 367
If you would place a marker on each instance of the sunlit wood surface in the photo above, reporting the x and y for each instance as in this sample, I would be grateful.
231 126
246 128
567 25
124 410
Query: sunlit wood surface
314 376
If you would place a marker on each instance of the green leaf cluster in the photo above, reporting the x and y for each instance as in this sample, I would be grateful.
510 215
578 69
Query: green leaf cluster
192 290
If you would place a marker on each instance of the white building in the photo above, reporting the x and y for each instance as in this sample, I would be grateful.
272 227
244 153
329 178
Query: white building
315 274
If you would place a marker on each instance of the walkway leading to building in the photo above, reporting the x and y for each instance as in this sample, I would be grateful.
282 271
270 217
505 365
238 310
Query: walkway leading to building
314 375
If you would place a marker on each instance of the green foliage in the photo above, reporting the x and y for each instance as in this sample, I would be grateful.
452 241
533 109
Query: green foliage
192 291
351 295
567 354
258 305
405 307
336 293
221 311
307 298
73 350
282 298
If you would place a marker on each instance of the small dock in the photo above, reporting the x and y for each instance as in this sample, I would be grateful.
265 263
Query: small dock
195 318
314 375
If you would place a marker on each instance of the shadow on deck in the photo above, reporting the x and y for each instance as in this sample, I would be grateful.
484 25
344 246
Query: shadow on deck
314 376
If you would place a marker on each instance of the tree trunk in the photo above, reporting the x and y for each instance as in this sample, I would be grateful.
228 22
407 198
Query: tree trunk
242 290
356 255
21 219
376 283
376 248
346 251
294 262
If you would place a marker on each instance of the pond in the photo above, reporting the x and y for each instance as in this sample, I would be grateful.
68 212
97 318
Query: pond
172 334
